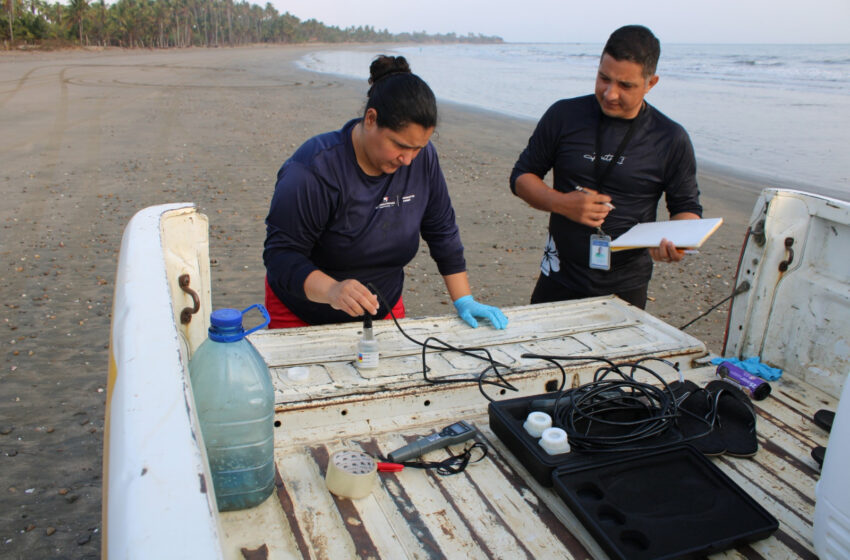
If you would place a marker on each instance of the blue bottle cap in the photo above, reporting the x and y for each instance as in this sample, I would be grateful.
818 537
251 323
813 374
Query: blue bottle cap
226 318
226 324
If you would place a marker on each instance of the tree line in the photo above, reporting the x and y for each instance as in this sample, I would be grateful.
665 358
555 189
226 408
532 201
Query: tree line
181 23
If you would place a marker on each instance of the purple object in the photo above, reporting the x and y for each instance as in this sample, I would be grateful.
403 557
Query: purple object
758 389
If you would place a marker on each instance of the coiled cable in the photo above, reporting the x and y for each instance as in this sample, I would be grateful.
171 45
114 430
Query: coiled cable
615 412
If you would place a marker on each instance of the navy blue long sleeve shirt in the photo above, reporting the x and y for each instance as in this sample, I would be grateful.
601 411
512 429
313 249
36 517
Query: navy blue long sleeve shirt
658 160
327 214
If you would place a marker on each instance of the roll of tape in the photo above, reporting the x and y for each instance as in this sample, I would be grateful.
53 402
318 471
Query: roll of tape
351 474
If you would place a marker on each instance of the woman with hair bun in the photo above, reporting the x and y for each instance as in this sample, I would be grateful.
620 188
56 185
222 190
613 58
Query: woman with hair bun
350 206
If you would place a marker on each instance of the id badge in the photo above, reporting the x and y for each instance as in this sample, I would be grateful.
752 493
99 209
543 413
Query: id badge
600 252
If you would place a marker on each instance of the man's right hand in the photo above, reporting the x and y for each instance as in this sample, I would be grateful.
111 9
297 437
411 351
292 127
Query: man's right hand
586 207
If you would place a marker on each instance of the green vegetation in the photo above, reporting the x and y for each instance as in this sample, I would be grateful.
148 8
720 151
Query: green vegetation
180 23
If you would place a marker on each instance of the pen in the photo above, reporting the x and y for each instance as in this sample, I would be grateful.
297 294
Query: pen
581 189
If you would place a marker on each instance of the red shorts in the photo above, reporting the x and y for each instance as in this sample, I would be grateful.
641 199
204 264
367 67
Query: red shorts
283 318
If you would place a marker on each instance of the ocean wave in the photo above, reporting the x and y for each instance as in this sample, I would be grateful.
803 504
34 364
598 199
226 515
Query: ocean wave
740 103
754 62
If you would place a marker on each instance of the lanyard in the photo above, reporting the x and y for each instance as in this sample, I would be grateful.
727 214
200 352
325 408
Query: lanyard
600 173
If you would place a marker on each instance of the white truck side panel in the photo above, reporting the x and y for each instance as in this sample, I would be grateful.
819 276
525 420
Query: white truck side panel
158 501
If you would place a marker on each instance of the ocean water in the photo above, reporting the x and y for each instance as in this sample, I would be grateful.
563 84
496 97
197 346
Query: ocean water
776 112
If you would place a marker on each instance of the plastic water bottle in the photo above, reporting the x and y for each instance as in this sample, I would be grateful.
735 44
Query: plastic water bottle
234 398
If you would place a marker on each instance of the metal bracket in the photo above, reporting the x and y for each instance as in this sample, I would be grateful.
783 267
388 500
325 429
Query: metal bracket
757 232
783 266
186 314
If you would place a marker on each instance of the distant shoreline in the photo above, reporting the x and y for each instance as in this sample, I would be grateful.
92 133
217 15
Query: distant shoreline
39 47
743 179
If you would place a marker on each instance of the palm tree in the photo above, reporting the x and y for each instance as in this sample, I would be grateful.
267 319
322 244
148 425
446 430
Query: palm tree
10 6
78 14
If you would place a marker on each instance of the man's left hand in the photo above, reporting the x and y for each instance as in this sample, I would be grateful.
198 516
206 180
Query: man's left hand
666 252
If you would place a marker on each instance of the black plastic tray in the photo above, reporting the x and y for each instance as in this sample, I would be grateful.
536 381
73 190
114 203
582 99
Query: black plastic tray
506 420
665 504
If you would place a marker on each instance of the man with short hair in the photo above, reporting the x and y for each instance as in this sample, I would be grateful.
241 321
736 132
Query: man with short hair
612 156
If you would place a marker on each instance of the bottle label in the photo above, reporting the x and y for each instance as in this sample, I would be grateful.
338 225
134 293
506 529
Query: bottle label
367 359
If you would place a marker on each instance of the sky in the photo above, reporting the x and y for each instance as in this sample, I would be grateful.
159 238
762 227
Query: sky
591 21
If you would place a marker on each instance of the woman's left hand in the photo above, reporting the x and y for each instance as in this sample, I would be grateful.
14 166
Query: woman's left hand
468 309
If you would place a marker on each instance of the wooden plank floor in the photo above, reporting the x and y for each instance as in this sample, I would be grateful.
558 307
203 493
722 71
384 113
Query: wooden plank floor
495 509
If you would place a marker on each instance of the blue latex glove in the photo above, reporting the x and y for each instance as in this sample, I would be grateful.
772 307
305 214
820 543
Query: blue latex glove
469 309
752 365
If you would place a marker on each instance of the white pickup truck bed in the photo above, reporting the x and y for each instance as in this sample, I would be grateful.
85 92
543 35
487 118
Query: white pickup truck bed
158 500
494 509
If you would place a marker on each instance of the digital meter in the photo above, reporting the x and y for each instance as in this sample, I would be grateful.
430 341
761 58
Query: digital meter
450 435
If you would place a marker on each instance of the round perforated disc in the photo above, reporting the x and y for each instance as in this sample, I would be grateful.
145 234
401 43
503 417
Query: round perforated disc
354 462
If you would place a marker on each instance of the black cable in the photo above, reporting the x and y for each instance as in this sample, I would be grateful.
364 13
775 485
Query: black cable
589 406
444 346
455 464
615 412
742 287
648 412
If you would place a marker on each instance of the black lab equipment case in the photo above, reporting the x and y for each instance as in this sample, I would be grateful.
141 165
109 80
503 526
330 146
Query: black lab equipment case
665 503
506 421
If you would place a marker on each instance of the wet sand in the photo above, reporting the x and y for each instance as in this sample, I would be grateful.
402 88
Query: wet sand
91 137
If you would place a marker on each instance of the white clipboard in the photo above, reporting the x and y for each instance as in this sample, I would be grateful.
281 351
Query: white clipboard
685 234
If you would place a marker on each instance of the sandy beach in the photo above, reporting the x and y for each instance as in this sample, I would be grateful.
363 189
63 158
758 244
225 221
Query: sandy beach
91 137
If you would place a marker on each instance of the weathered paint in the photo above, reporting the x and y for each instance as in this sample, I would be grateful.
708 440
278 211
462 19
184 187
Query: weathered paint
288 510
797 319
495 505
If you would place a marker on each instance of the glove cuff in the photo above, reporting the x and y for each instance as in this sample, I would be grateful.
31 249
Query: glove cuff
461 301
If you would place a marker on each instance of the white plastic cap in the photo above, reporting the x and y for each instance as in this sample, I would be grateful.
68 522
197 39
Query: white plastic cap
536 422
554 441
299 373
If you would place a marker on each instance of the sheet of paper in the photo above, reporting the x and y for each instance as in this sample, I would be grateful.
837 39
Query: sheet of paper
685 234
